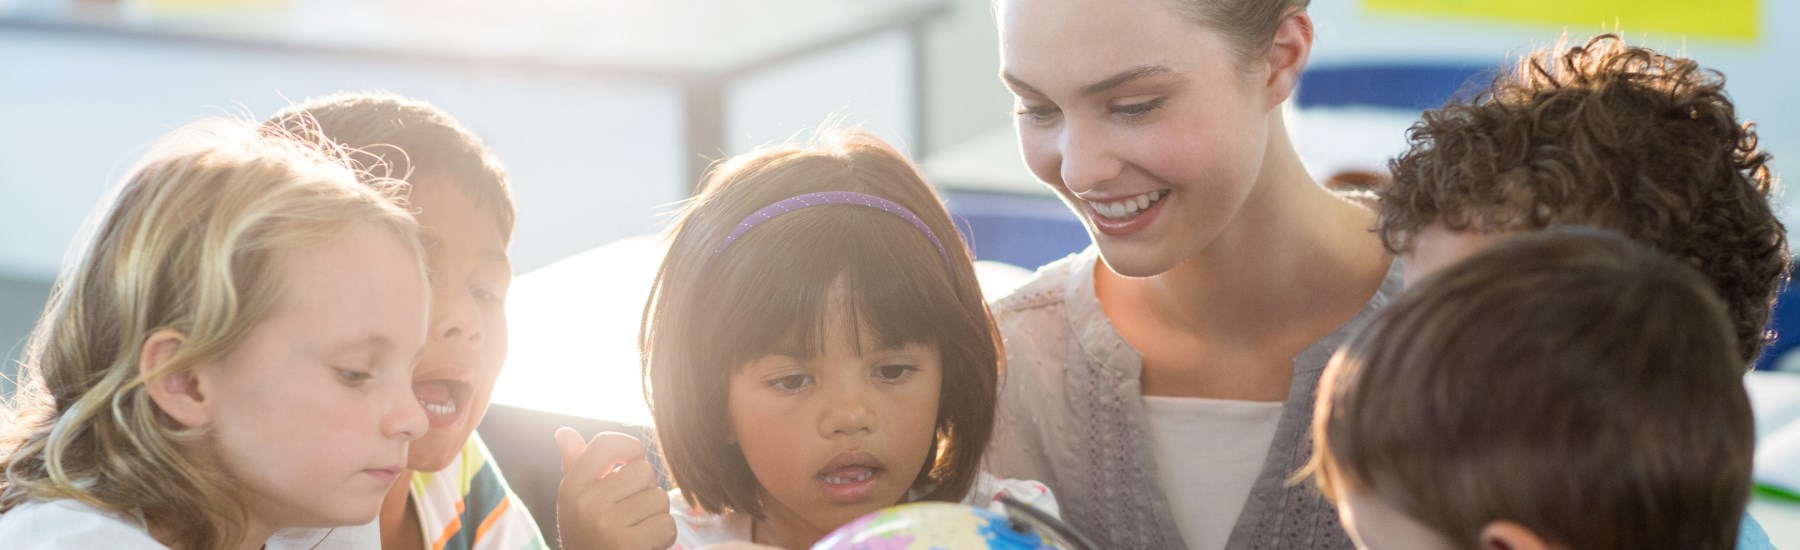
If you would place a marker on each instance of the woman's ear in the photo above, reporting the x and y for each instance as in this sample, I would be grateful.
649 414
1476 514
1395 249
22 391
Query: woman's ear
1288 52
1509 535
176 394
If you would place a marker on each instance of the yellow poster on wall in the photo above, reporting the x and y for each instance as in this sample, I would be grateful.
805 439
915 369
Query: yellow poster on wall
1728 19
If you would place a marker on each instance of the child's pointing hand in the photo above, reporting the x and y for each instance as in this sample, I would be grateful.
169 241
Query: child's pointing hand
608 499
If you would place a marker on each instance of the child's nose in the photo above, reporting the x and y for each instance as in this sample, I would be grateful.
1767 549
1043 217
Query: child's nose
455 317
848 415
405 419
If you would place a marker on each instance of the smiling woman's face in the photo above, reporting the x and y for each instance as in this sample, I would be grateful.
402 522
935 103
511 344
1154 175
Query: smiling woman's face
1143 120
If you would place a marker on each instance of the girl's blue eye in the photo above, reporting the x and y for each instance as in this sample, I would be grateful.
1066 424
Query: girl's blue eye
893 373
791 382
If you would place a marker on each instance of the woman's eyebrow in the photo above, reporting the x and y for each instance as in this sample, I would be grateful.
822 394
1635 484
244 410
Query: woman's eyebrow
1126 76
1122 78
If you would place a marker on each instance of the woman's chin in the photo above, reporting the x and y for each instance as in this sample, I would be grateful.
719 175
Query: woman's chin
1135 260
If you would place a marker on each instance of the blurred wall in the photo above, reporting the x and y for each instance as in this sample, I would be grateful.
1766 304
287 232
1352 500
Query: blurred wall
20 303
596 161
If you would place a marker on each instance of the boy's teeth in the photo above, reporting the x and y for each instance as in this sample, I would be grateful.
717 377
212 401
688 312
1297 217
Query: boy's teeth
446 408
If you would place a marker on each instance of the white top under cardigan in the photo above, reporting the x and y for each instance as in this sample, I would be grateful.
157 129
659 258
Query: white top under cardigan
1208 452
1071 415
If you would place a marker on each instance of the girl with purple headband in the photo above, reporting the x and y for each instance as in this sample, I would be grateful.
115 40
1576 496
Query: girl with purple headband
816 348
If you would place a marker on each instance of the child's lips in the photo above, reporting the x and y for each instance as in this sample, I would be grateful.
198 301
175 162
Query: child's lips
850 477
446 402
385 474
849 484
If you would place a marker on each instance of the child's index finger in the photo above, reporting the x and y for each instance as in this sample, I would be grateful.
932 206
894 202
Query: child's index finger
569 446
605 452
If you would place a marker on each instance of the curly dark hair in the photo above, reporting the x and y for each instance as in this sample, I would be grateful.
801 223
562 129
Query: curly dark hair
1609 135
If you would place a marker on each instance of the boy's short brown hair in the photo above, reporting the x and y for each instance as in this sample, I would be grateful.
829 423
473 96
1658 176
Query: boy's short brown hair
1573 381
709 316
1604 135
392 136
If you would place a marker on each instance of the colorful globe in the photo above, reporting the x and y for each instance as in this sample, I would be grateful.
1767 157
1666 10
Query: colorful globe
934 526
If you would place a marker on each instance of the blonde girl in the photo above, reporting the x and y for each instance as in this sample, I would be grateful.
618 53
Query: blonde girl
230 356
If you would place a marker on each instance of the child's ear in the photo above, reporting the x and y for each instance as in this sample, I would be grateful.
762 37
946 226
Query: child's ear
1509 535
178 395
1288 52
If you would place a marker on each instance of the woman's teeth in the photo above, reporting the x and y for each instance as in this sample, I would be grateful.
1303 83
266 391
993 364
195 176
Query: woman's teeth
1129 207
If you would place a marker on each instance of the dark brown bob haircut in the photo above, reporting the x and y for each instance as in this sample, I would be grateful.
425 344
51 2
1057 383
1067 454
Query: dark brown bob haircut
1573 381
708 316
392 136
1604 135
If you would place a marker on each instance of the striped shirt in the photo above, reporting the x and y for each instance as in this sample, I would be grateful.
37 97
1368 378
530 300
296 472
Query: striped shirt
468 506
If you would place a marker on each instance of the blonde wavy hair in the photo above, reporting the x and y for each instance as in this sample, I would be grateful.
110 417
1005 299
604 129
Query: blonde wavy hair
193 242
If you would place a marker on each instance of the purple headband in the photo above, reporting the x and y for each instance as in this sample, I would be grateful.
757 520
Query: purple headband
852 198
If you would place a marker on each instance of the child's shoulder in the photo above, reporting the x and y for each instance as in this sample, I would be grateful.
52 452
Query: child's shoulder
695 528
353 537
71 524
